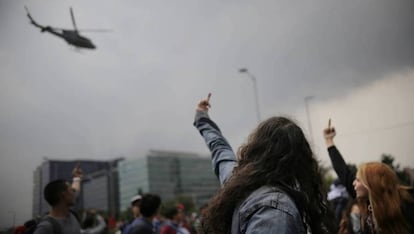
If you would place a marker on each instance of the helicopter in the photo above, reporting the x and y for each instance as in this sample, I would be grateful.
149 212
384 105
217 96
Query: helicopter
72 37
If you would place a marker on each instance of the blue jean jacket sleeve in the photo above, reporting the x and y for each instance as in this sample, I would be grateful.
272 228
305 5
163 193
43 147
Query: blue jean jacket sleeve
223 157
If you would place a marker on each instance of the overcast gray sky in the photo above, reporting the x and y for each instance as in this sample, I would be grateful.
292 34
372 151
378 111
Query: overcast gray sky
138 90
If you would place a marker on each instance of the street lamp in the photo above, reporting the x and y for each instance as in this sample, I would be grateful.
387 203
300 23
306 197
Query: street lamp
307 99
14 216
244 70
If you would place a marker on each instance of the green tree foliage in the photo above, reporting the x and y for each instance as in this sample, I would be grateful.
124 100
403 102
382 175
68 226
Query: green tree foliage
8 230
327 178
352 167
186 201
126 215
403 176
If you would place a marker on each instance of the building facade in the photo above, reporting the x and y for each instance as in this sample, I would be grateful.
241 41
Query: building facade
51 170
109 185
133 179
167 174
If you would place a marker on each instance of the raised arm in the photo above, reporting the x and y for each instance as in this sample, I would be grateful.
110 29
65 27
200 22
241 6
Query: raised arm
77 177
98 228
222 155
338 162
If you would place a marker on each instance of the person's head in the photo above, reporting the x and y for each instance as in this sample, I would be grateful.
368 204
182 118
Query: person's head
378 185
181 207
174 214
59 192
135 202
150 203
352 209
374 179
276 153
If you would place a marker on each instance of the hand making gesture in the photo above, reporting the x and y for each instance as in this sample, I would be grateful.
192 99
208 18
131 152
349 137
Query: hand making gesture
204 105
329 133
77 171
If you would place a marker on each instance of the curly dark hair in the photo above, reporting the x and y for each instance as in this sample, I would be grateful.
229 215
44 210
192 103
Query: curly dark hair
276 153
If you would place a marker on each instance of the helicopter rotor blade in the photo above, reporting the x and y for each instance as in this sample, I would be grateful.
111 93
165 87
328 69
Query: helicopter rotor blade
95 30
86 30
73 19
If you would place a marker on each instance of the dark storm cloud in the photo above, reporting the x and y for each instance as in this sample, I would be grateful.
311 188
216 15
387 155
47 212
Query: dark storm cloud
138 89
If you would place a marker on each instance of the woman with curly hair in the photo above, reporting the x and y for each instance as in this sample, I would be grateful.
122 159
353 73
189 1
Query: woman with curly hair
385 205
274 186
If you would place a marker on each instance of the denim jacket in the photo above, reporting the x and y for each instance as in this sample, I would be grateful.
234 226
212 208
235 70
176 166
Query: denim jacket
265 210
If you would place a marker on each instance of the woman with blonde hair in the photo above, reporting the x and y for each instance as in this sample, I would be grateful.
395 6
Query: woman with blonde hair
385 205
383 200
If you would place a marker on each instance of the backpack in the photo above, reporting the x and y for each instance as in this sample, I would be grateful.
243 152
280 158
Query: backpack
31 225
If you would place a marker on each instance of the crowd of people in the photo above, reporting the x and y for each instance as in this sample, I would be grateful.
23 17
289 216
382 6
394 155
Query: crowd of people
264 191
273 184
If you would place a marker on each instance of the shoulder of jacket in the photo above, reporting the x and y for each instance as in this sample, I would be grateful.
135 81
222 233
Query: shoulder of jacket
267 196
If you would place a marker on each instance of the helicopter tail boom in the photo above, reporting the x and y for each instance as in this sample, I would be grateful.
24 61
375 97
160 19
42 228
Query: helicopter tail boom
32 21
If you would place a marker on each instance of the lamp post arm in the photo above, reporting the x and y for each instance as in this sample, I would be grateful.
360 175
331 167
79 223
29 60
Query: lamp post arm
309 117
256 92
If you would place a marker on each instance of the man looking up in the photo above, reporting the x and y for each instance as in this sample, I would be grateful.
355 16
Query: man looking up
60 195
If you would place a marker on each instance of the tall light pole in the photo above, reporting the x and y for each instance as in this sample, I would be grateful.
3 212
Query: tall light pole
14 217
256 95
307 99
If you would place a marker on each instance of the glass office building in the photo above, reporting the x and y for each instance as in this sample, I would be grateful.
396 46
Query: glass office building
133 179
167 174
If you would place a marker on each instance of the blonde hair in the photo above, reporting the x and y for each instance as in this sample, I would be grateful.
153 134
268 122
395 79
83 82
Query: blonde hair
385 196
